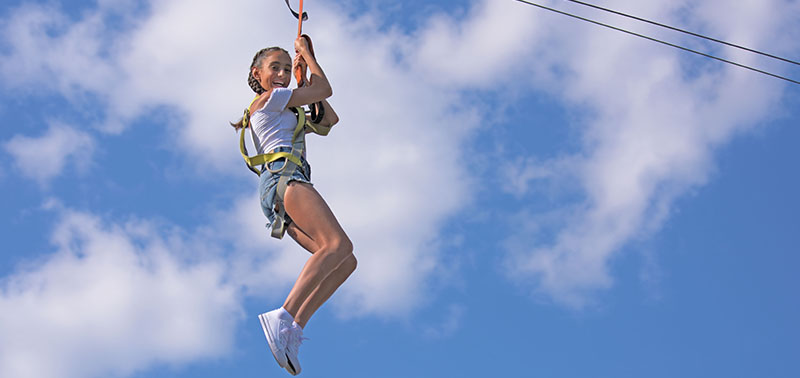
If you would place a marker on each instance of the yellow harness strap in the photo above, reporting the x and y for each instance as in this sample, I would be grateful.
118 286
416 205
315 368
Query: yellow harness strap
257 160
317 128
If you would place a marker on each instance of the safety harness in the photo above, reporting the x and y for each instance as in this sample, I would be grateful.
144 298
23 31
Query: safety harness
294 160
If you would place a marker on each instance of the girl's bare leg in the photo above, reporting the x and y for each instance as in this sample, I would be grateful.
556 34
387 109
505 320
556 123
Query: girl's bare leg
323 292
333 256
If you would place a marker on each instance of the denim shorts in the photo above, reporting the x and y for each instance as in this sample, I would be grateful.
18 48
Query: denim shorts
268 183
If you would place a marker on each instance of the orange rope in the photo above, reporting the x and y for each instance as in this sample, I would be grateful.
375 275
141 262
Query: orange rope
300 20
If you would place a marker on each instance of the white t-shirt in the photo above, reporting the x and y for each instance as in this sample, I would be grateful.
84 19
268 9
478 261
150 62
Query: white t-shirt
274 124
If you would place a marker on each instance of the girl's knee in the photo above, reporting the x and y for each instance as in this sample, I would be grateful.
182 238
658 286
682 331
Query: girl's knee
338 248
342 245
350 263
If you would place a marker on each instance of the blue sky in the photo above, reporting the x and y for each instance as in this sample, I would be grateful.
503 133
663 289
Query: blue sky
528 195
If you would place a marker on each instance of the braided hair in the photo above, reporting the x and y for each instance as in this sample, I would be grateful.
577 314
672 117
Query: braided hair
253 83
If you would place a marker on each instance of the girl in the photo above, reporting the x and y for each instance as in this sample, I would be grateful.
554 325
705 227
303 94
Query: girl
311 222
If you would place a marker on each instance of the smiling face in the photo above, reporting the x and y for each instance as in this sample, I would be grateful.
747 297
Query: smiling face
275 71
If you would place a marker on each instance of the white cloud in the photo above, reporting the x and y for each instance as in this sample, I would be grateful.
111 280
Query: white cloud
116 290
49 53
651 137
260 265
45 157
480 50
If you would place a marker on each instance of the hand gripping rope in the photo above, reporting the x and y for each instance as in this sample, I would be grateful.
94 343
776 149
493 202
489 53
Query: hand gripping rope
317 110
294 159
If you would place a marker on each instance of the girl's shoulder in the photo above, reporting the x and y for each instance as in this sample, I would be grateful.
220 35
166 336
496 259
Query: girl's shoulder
273 101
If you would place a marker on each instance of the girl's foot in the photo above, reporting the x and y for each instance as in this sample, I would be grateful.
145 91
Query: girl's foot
295 338
277 326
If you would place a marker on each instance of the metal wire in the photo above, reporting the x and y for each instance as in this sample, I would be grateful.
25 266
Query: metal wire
685 32
662 42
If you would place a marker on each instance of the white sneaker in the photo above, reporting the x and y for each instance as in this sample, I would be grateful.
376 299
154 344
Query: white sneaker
276 330
295 338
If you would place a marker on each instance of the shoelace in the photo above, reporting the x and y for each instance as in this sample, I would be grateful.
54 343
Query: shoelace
295 337
284 336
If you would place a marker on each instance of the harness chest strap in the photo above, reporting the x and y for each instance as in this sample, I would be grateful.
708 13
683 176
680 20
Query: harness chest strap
261 159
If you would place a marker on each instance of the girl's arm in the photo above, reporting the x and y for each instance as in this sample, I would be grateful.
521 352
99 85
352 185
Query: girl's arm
329 118
318 88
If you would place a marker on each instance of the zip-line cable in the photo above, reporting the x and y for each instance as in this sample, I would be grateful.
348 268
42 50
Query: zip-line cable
684 31
661 42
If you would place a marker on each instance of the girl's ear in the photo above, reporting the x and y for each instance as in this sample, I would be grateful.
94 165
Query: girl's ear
255 73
